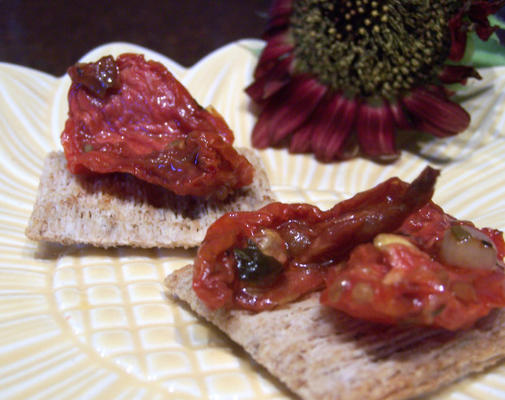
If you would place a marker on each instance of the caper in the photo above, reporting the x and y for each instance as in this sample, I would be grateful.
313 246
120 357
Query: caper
256 268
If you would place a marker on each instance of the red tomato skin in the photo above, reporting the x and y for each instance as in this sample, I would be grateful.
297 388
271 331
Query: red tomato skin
398 284
407 285
151 127
327 238
215 281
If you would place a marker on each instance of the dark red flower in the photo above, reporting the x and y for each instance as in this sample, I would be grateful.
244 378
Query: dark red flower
340 78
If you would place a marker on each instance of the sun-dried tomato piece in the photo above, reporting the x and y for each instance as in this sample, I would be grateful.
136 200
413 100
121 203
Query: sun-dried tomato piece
258 260
131 115
387 255
434 270
97 77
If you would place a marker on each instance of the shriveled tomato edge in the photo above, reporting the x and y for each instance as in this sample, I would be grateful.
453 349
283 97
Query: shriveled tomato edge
405 198
214 278
484 282
230 298
235 170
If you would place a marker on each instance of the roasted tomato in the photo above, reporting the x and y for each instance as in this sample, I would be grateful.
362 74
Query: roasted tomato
434 270
258 260
131 115
246 259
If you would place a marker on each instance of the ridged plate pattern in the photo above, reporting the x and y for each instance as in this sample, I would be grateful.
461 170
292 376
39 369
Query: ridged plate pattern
78 322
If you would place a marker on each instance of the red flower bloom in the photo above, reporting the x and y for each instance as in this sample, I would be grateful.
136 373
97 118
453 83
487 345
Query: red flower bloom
339 78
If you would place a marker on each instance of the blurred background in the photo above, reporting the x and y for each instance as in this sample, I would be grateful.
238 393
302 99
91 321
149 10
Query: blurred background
50 35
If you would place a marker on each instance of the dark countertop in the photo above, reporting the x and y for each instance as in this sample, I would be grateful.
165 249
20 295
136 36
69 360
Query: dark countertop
51 35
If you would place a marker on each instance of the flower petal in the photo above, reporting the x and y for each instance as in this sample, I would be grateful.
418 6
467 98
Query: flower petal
278 16
281 7
261 136
375 128
400 119
332 126
271 81
458 74
478 14
326 115
426 126
287 110
300 141
458 37
432 110
302 96
276 48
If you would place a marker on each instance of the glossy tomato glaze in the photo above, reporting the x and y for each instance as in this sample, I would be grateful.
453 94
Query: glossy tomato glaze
304 239
403 284
402 280
146 123
215 276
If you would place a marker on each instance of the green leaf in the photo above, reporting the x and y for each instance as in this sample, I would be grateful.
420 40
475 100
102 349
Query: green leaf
493 20
256 268
488 53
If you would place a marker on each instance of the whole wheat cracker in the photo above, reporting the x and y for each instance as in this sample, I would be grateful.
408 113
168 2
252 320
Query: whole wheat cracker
118 209
320 353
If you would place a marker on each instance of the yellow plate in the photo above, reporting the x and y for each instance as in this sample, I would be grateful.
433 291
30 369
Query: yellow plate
88 323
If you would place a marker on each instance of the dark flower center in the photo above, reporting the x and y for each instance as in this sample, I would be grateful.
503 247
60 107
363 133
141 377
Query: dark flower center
372 48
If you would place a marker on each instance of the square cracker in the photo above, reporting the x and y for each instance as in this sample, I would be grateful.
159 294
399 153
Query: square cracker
320 353
120 210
